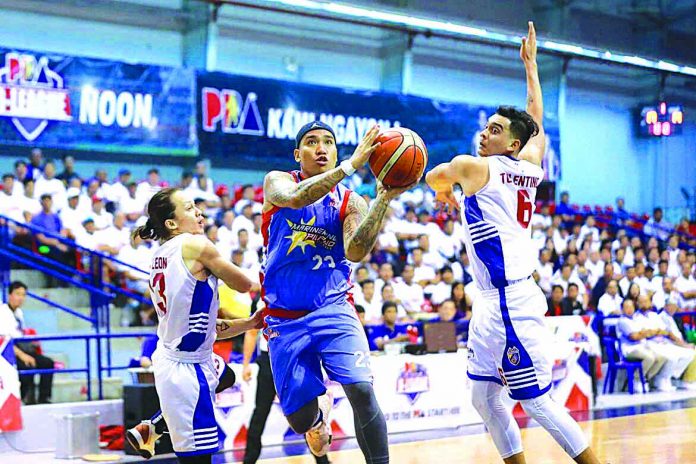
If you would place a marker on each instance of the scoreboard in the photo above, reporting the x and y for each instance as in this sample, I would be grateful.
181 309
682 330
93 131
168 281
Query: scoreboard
661 120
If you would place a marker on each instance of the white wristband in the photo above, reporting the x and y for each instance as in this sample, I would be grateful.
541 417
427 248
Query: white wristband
347 168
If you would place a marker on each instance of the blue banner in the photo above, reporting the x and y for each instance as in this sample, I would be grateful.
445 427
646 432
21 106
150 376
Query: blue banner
74 103
250 122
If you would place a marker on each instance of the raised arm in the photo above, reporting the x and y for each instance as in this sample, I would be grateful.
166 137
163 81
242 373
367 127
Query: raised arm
279 188
361 226
199 248
534 150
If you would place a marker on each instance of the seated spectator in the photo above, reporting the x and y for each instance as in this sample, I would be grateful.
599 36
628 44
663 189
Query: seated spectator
685 284
102 218
132 205
634 346
48 184
370 301
386 277
387 246
147 188
431 257
26 353
601 286
411 293
388 295
571 306
360 311
50 222
675 334
545 270
665 294
462 268
388 331
555 301
138 254
248 195
659 342
610 303
448 244
443 289
423 273
462 300
656 227
633 293
627 280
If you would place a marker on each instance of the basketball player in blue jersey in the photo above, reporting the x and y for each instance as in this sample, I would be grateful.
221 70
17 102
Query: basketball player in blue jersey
312 228
508 341
183 283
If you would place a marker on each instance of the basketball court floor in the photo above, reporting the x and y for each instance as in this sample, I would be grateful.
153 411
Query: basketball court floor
657 433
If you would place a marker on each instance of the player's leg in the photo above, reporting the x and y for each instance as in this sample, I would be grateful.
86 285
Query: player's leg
499 420
340 341
485 345
526 364
297 374
265 392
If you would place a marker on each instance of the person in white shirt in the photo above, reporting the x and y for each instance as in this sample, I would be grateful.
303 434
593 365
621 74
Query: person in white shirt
52 186
244 220
595 266
545 271
225 233
627 280
656 281
388 294
31 206
633 342
387 243
102 218
12 325
685 284
619 265
410 292
588 229
462 267
138 254
443 289
541 220
10 204
642 280
447 244
431 257
71 215
116 236
132 206
20 173
665 294
248 195
386 277
659 342
149 187
565 277
119 189
370 301
423 273
610 303
656 227
667 316
250 258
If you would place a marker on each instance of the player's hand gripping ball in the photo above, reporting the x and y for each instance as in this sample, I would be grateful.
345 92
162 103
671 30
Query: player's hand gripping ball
400 159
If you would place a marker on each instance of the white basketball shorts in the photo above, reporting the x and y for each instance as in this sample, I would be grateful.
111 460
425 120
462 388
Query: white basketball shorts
187 392
508 341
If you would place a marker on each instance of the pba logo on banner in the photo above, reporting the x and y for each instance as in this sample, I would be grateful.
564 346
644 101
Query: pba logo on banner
237 115
413 380
32 94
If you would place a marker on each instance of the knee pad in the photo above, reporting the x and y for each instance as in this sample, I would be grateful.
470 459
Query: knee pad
556 420
362 398
227 379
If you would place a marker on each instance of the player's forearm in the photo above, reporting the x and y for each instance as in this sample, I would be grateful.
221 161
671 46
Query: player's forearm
535 103
364 238
230 328
249 346
308 191
438 178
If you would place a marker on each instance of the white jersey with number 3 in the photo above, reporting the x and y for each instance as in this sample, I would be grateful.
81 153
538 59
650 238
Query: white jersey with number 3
187 308
496 220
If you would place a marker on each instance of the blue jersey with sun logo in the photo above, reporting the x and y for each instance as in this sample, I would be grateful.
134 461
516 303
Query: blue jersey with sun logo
304 265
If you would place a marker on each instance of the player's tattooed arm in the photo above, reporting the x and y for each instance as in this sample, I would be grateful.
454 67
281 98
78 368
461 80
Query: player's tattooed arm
281 190
361 226
230 328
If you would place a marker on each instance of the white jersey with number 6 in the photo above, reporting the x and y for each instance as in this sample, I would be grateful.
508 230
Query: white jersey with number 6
496 222
187 308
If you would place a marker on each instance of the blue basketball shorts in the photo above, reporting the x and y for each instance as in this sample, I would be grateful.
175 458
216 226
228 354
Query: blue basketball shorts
331 337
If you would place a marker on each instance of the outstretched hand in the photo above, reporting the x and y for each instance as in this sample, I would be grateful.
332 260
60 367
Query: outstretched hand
528 49
446 201
365 148
390 193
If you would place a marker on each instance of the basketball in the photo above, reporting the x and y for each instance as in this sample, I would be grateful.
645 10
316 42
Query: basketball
400 159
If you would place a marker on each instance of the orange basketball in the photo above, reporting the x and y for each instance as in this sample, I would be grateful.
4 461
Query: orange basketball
400 159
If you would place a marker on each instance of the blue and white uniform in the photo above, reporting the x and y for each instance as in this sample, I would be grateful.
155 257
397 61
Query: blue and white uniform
508 341
183 363
306 286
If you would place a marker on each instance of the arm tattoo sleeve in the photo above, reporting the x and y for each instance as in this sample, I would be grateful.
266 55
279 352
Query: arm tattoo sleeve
306 192
361 242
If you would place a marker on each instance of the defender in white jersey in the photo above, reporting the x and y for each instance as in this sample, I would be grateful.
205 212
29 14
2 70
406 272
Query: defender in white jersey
507 336
183 285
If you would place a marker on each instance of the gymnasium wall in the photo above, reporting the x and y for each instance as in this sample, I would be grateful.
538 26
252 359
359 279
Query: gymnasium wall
601 157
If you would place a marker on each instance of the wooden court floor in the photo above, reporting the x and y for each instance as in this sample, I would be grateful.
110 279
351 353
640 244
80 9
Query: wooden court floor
655 438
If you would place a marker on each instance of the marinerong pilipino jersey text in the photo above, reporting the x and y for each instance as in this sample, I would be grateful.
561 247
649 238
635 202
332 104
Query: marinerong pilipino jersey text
304 266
